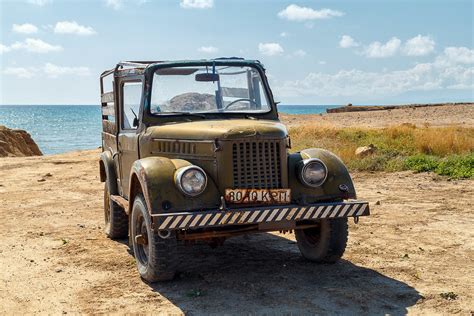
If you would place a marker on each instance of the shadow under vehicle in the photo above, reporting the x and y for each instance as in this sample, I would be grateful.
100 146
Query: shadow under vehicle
194 151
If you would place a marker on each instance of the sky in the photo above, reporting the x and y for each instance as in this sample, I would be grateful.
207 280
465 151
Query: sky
315 52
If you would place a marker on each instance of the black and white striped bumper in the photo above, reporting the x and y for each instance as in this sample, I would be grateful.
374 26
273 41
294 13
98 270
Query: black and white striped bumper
257 215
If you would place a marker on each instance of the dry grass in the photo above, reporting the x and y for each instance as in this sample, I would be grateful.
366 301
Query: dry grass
394 144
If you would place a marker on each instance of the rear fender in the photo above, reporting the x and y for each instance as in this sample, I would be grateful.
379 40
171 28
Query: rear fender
107 171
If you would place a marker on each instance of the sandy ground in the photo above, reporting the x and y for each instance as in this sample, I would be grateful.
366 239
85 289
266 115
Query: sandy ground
54 257
462 115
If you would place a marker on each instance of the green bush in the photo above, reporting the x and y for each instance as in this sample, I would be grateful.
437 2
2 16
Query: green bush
421 163
456 166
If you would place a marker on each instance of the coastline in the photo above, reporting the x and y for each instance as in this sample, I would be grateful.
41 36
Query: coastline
440 115
362 108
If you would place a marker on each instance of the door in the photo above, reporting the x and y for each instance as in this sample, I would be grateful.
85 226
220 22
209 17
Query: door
130 99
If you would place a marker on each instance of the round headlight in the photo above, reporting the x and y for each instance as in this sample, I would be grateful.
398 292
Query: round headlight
313 172
191 180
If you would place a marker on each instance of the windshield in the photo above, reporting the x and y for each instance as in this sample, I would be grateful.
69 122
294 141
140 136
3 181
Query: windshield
208 89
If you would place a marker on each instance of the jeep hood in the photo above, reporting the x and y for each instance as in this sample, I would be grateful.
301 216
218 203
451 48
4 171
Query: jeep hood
224 129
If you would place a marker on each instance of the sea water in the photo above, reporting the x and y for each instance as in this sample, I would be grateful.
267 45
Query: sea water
62 128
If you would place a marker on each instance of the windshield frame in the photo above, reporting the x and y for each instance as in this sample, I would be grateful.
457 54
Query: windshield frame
151 69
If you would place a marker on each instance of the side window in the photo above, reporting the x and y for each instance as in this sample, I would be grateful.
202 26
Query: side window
132 94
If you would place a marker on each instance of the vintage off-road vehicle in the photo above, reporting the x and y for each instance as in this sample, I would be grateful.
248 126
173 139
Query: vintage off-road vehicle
194 150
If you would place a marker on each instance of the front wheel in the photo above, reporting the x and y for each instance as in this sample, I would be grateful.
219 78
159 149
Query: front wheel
324 243
156 257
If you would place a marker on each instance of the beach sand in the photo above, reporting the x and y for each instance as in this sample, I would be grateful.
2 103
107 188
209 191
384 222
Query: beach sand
448 115
417 244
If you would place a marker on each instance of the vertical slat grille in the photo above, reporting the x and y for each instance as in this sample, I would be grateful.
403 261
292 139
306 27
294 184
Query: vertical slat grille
256 165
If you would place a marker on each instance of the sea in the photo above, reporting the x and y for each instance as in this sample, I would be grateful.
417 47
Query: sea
62 128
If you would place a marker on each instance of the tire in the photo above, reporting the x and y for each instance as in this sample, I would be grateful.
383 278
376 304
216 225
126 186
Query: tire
325 243
116 220
156 257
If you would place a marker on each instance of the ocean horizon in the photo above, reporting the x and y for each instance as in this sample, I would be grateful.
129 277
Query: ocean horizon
63 128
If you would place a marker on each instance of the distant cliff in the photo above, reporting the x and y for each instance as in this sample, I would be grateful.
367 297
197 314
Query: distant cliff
17 143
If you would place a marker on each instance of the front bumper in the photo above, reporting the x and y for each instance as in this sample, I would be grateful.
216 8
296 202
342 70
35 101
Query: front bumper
259 215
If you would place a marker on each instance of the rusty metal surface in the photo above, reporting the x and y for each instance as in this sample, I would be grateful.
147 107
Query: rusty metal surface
120 201
258 196
235 151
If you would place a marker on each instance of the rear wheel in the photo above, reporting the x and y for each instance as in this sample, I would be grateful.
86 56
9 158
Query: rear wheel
116 220
324 243
156 257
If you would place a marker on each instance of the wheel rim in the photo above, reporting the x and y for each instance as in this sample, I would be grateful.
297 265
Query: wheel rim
141 240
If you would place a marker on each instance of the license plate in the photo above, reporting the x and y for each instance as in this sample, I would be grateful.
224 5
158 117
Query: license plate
256 196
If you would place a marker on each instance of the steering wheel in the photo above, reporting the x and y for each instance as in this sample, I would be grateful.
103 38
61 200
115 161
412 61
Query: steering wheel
238 100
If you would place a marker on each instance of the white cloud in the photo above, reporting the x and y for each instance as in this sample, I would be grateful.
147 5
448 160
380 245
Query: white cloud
445 72
284 34
208 49
119 4
40 2
418 46
347 42
72 27
4 49
19 72
270 49
35 46
300 53
461 55
50 70
26 28
294 12
196 4
379 50
114 4
322 62
55 71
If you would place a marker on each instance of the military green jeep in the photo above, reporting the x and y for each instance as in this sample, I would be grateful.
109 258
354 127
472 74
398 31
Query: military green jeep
194 151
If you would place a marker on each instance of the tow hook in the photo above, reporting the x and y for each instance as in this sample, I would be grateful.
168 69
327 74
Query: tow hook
164 234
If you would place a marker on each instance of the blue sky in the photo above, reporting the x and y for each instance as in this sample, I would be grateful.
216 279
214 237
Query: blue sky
316 52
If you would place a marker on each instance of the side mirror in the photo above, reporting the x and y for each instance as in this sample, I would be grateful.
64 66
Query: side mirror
135 122
207 77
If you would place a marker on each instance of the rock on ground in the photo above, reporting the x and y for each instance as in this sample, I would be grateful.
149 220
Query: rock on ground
17 143
365 150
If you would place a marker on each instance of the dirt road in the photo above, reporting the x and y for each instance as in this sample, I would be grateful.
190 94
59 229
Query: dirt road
54 257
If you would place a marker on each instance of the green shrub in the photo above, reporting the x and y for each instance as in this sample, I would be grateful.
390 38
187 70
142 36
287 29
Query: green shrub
421 163
457 166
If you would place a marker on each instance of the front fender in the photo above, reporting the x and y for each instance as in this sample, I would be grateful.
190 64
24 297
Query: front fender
330 190
154 177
